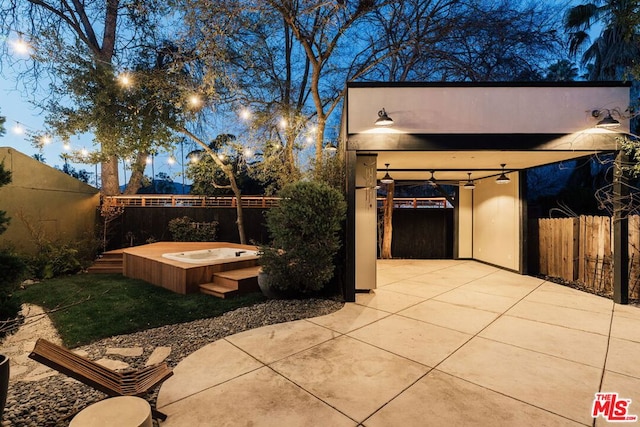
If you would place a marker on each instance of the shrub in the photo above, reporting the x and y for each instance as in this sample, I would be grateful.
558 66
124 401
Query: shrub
304 229
11 266
55 259
12 269
185 229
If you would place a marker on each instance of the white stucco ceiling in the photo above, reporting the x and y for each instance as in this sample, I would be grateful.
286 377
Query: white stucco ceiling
455 165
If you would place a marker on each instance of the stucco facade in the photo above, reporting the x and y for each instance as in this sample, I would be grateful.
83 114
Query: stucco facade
451 130
46 200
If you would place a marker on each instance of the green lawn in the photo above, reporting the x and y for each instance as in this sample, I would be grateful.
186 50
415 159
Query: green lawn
89 307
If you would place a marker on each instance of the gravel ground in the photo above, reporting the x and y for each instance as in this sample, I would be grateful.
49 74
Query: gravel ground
52 401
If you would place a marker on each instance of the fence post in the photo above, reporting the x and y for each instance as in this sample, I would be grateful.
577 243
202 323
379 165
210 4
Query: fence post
620 231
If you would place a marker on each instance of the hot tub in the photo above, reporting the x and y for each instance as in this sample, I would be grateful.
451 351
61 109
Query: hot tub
212 256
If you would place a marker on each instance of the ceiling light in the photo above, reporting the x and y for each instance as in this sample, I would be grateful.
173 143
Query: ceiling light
503 179
383 119
386 179
469 185
432 181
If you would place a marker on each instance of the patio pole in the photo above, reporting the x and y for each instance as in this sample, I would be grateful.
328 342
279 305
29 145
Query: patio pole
620 231
350 235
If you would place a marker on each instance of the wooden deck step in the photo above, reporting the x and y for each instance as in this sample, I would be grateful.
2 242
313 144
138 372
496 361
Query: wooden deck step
108 263
219 291
232 282
245 279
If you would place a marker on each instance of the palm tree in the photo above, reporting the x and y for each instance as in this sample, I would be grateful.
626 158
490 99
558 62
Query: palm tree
561 71
612 53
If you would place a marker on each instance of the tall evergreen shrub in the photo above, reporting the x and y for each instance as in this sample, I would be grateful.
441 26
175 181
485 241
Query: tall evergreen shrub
304 229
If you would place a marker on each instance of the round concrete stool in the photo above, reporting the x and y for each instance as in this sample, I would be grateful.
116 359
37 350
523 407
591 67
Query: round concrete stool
122 411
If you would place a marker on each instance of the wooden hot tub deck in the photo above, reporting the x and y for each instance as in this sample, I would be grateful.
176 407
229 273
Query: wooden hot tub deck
147 263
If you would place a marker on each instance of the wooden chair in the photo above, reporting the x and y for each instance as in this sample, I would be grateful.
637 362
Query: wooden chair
113 383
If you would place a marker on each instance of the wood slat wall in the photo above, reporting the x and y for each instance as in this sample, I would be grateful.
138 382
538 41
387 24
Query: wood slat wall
580 250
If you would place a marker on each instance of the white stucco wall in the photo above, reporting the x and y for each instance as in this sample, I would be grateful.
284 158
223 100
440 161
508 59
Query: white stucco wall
366 223
459 110
496 222
465 224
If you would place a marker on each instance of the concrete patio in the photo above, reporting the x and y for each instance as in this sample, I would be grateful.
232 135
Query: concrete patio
438 343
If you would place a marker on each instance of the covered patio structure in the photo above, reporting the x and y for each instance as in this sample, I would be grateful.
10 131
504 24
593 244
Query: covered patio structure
449 131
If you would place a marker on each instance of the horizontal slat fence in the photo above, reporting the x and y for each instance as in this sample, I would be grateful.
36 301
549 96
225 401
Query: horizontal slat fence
580 250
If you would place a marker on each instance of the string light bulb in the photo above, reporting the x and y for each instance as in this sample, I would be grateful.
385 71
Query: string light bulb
195 101
18 129
20 46
125 79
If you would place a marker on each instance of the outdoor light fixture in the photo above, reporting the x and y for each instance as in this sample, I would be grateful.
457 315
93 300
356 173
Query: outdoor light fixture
608 121
383 119
330 147
469 185
503 179
386 179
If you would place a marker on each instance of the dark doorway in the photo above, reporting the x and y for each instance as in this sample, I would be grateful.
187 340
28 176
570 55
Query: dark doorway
422 233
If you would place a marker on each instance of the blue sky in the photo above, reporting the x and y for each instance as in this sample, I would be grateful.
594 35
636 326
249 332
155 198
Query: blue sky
15 106
18 111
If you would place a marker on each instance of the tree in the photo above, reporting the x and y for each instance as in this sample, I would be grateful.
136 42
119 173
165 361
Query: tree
208 179
500 41
450 40
319 28
414 34
228 171
81 46
270 87
39 157
165 183
616 49
80 175
387 220
11 266
561 71
292 60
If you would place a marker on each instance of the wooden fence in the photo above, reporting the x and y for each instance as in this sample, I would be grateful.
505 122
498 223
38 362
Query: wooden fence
580 250
167 200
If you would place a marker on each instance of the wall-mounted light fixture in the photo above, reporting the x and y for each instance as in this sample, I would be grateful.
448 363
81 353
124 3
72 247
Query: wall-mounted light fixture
383 119
469 185
330 147
503 178
607 121
386 179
